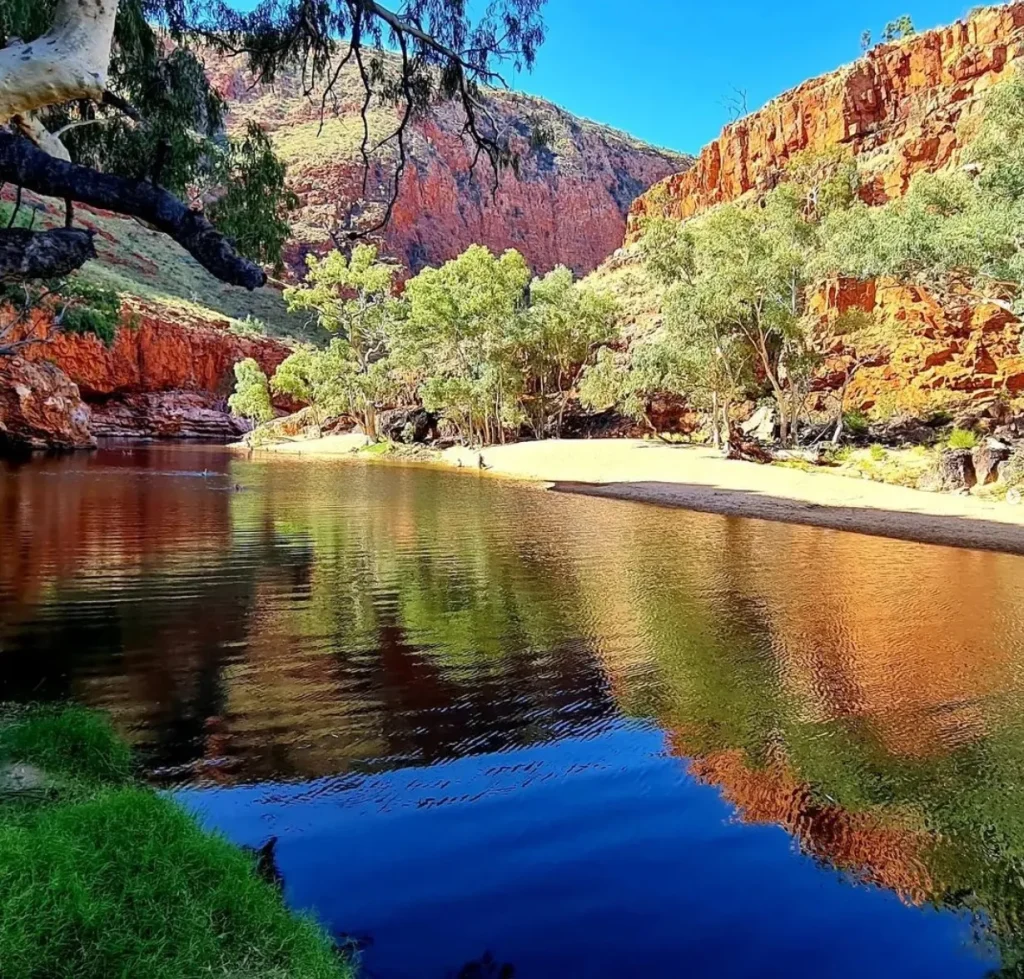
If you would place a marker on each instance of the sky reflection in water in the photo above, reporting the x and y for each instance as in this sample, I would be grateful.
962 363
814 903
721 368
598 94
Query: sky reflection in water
591 738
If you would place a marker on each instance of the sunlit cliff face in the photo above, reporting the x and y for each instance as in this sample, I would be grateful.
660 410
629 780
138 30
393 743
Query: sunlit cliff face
904 108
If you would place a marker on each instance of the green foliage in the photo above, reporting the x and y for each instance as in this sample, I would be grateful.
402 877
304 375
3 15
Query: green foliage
89 308
837 454
254 207
351 296
553 341
106 878
490 350
459 338
877 453
856 423
865 41
67 741
333 382
897 29
251 397
739 276
962 438
77 304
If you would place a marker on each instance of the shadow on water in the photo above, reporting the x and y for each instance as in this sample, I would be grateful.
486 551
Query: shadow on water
594 738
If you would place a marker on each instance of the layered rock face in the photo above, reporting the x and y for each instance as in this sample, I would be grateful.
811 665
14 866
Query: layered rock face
566 206
159 379
928 356
903 108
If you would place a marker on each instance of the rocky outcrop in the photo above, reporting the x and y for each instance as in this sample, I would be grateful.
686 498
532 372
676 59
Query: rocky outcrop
924 356
567 204
903 108
166 415
154 353
40 408
160 378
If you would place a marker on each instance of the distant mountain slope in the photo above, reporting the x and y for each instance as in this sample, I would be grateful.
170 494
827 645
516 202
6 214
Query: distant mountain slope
568 204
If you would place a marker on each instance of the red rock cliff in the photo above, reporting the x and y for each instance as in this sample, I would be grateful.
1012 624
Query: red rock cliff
902 108
567 205
154 354
161 378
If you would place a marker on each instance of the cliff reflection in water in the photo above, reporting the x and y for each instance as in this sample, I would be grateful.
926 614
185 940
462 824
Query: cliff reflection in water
864 694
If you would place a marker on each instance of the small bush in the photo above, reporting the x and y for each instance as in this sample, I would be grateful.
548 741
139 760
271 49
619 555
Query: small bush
90 309
878 454
856 423
962 438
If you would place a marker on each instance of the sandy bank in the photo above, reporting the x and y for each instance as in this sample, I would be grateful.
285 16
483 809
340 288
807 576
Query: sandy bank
699 479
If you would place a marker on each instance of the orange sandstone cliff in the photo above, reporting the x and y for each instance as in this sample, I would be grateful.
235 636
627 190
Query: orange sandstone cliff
903 108
161 378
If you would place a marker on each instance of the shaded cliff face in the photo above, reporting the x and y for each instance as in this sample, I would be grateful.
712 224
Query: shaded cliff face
152 354
905 107
567 206
160 378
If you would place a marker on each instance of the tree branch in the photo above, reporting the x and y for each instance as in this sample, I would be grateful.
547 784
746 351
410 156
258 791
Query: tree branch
26 254
27 165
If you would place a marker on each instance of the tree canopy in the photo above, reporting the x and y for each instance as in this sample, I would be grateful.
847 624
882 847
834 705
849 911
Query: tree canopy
107 104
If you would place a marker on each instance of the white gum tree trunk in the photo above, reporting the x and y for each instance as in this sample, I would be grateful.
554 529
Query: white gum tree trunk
70 61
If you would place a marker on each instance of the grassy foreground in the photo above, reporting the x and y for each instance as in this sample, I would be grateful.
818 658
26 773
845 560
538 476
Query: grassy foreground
102 877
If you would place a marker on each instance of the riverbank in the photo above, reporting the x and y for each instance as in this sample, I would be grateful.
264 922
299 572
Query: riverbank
697 478
101 876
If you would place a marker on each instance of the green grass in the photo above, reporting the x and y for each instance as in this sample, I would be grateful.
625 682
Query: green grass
962 438
105 878
69 741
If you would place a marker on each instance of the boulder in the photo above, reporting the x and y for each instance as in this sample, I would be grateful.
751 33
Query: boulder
987 459
40 408
953 472
407 425
761 424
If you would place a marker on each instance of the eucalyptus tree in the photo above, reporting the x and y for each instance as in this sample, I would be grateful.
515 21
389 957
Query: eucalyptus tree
104 102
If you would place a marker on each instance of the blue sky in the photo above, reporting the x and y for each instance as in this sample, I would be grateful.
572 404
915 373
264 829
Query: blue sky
667 73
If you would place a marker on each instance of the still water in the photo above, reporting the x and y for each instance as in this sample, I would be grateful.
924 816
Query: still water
577 736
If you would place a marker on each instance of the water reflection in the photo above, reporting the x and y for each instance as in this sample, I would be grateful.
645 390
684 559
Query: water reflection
523 698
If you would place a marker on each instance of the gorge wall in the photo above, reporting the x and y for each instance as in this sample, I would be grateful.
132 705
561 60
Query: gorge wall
906 107
903 108
160 378
566 205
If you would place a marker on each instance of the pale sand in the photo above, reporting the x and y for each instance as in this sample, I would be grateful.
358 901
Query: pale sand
700 479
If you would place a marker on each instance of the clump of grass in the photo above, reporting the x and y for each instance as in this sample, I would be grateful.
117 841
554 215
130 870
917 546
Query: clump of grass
68 741
962 438
377 448
877 453
115 880
837 454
